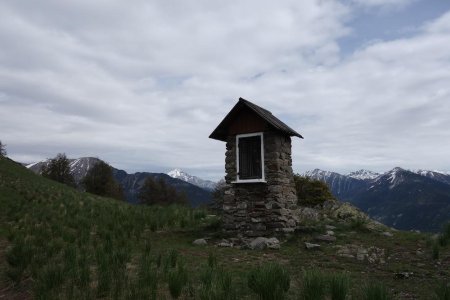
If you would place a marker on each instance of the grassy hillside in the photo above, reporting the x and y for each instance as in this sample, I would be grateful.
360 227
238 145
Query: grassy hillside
58 243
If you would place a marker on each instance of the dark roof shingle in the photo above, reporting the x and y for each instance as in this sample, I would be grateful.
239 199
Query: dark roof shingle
220 132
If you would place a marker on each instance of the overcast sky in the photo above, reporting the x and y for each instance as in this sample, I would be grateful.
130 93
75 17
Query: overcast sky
142 84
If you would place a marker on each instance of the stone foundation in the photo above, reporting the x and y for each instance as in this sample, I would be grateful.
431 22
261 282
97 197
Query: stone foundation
258 209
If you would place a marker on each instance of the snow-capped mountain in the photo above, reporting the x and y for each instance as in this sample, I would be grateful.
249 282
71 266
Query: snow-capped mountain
204 184
341 186
436 175
395 177
363 174
321 174
78 167
131 183
406 200
400 198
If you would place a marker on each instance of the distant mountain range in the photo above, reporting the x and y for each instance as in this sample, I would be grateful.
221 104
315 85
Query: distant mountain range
403 199
131 183
400 198
78 167
204 184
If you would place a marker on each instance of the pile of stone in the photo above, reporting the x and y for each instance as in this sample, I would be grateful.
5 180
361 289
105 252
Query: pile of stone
335 212
259 243
372 254
325 238
330 210
200 242
311 246
328 237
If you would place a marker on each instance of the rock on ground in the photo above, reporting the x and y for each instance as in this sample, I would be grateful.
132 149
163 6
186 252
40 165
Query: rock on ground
347 211
325 238
225 243
261 243
310 246
371 254
307 214
200 242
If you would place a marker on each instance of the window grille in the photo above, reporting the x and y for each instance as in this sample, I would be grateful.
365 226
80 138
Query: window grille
250 157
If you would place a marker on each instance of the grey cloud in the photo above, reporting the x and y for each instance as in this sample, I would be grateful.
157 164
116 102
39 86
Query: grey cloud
143 84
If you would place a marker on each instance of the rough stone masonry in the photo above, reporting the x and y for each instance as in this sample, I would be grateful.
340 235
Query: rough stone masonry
258 209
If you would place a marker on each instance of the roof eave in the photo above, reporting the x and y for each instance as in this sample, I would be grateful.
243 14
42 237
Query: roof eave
266 115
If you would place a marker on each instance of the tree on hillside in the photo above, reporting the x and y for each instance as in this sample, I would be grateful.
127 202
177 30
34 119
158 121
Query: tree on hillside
217 196
2 149
311 192
58 169
99 180
159 192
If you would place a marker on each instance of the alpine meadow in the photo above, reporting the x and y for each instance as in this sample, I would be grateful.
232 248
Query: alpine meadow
60 243
225 150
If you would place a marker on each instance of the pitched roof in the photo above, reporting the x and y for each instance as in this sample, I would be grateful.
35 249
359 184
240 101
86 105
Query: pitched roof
220 133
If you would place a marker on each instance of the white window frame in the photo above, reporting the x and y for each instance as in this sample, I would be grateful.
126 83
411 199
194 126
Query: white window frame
263 178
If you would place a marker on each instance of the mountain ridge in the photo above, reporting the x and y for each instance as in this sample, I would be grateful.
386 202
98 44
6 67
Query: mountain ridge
131 183
363 174
400 198
203 183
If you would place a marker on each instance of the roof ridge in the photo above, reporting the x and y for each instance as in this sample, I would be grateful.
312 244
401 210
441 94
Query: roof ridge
253 104
267 116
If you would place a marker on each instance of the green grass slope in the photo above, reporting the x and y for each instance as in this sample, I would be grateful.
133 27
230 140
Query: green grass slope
59 243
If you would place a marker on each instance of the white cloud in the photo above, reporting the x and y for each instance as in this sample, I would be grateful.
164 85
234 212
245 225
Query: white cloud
386 105
142 85
441 25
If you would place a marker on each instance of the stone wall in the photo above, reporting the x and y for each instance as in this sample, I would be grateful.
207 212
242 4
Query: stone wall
258 209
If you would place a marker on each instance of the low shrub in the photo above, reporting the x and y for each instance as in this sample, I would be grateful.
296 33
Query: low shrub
359 224
48 280
376 291
218 287
311 192
103 274
206 276
18 258
444 237
177 280
314 285
339 286
212 259
443 240
442 292
225 285
446 230
214 224
435 251
147 278
168 261
172 258
269 281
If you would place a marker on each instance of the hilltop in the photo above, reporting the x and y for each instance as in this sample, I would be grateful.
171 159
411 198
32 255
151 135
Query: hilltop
58 242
